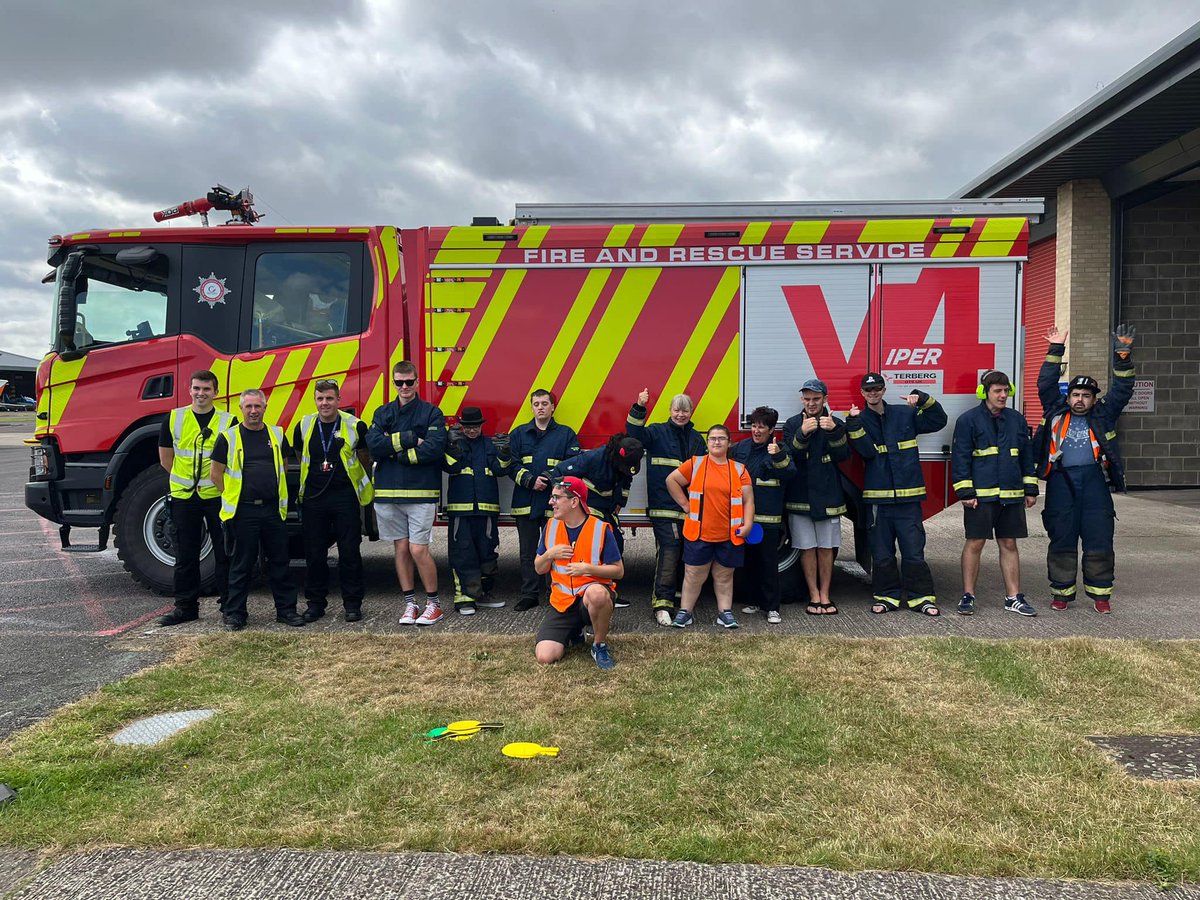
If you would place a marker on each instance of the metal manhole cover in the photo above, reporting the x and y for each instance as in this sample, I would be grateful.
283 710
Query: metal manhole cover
156 729
1161 757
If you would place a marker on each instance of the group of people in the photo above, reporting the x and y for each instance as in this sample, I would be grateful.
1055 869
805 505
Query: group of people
717 508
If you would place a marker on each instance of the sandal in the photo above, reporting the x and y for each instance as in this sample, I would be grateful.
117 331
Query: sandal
928 608
880 608
828 609
814 609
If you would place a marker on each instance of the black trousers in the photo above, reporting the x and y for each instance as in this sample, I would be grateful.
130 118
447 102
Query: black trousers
529 532
1079 510
668 561
253 527
899 525
191 518
757 581
332 514
474 549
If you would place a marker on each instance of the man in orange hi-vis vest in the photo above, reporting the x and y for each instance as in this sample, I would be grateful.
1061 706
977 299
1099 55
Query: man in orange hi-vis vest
714 492
580 552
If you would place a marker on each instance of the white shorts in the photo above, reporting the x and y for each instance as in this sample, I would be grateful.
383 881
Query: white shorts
412 522
809 533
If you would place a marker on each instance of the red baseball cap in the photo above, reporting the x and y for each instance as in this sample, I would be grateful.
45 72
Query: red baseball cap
575 486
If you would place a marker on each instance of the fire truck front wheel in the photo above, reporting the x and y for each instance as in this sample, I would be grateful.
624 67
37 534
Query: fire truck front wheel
144 538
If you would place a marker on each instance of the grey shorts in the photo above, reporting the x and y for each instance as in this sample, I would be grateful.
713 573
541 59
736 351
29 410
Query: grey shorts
412 522
809 533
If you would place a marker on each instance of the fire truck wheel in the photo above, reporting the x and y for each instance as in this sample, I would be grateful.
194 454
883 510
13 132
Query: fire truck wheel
144 538
792 586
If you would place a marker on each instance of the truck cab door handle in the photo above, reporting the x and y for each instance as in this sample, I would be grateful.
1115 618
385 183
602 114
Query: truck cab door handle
158 387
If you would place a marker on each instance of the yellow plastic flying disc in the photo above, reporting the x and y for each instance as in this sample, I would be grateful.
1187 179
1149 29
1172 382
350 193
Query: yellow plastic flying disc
527 750
464 726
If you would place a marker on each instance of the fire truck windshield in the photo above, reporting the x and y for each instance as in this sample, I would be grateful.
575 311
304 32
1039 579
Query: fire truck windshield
117 303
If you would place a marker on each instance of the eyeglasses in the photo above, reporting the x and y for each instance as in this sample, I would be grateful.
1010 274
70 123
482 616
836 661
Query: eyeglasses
718 438
326 385
404 382
872 390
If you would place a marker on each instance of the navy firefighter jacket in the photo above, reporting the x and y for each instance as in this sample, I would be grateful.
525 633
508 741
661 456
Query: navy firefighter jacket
473 466
768 474
991 458
816 491
888 445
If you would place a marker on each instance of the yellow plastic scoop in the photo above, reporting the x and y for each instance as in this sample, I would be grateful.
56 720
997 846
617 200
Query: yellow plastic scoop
527 750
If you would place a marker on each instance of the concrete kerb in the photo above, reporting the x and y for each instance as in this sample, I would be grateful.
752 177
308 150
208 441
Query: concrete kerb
287 874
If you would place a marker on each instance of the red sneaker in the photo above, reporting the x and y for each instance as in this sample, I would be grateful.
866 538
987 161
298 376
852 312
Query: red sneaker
431 615
1058 603
1103 607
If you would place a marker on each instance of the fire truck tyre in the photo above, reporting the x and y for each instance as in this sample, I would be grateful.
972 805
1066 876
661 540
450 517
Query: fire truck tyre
145 543
792 586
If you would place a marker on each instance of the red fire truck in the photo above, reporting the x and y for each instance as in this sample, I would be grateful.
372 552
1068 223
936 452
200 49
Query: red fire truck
734 304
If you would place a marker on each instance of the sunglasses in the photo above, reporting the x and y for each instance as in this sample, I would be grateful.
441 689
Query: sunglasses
404 382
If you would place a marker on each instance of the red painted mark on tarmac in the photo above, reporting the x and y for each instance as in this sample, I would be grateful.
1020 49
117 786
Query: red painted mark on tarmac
134 623
91 603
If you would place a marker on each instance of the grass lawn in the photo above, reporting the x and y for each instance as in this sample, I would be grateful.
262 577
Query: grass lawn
940 755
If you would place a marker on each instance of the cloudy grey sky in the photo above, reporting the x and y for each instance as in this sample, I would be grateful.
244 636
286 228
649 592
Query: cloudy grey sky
414 113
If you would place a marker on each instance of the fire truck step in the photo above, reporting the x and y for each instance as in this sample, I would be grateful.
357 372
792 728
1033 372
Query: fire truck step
64 536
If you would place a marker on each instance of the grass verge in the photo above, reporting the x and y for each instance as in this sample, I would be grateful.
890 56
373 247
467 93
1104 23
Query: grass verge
941 755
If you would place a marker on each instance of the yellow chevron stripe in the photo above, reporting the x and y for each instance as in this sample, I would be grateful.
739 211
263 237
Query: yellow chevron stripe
466 257
481 341
661 235
63 376
445 328
618 236
396 355
722 392
997 237
568 334
885 231
391 252
470 237
322 230
380 275
336 360
79 237
358 230
949 243
291 231
285 384
806 232
702 335
755 233
247 373
117 234
597 361
375 400
533 236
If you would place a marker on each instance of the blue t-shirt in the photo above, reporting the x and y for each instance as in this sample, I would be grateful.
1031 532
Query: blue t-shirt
609 555
1077 445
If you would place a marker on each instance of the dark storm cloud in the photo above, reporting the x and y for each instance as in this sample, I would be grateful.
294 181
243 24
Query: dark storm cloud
416 113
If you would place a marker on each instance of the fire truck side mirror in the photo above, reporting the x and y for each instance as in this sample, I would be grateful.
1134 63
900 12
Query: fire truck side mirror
67 306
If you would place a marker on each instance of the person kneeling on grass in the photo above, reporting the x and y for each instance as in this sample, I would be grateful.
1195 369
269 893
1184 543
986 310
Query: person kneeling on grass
719 502
580 553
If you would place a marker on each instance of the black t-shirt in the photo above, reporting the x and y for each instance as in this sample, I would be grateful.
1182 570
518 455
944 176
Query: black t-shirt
259 481
167 440
322 448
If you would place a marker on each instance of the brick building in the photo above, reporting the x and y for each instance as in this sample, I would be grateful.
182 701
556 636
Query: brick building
1120 242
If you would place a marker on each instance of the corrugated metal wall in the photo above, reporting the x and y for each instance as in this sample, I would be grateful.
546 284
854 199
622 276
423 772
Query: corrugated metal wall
1039 316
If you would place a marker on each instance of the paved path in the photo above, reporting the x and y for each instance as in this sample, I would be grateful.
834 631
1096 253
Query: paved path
288 874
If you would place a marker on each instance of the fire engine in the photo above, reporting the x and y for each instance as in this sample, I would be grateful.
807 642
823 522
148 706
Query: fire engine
733 304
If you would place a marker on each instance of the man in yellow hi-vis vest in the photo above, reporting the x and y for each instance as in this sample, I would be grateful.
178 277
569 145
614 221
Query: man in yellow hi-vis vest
249 469
335 483
185 444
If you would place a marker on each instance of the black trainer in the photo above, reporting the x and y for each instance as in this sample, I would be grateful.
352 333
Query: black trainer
352 615
178 616
290 617
312 614
233 623
525 603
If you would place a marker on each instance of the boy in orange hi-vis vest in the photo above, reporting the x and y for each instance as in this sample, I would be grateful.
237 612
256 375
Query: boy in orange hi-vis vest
715 493
580 553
